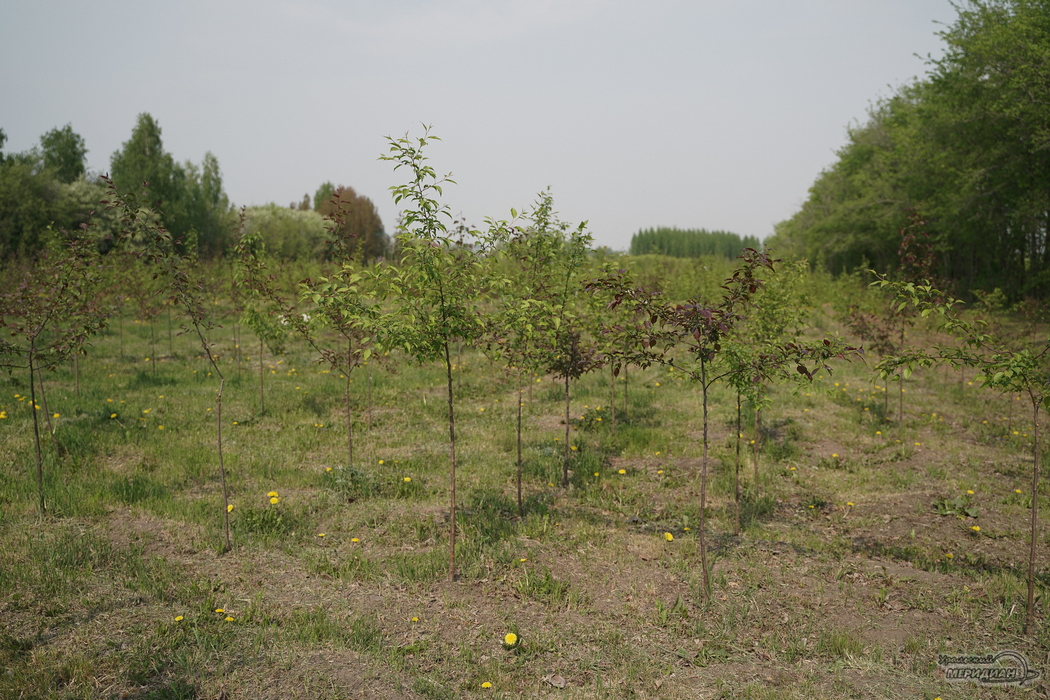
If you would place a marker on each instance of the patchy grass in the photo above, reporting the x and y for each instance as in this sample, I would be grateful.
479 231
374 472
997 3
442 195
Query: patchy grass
857 559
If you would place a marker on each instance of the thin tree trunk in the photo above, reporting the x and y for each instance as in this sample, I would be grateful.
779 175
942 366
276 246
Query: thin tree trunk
171 346
349 433
736 485
521 508
754 447
900 410
222 467
703 487
120 324
452 470
76 372
612 403
262 404
47 413
36 425
370 399
153 345
565 467
1030 618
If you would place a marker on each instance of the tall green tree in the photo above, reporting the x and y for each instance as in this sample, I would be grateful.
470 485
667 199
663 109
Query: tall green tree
64 152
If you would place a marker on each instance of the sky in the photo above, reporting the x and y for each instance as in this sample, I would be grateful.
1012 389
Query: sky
715 114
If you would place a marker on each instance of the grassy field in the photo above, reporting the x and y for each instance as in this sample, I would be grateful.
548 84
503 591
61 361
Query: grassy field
857 562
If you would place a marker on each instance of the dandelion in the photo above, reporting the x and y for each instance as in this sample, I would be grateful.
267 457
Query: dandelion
523 560
510 639
146 410
56 416
273 500
791 469
657 383
969 492
219 610
160 427
659 472
355 540
1017 491
686 529
229 619
415 619
408 479
949 555
878 432
328 469
272 494
178 618
596 473
849 503
573 448
320 534
622 472
229 508
669 537
486 684
918 444
976 528
380 461
835 455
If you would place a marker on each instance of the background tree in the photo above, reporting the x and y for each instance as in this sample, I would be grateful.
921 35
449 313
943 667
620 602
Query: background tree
357 225
64 152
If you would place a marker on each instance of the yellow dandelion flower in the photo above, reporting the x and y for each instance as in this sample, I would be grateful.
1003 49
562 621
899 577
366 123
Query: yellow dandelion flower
976 528
328 469
878 432
219 610
229 619
146 410
273 501
949 555
380 461
969 492
229 508
523 560
486 684
320 534
622 471
1017 490
510 639
178 618
272 494
415 619
408 479
659 472
669 537
835 455
573 448
55 416
849 503
596 473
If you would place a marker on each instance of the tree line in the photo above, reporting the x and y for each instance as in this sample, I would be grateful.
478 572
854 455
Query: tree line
967 149
690 243
48 188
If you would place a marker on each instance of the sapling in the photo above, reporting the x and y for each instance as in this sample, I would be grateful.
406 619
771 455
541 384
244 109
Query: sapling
1023 369
181 273
48 313
433 296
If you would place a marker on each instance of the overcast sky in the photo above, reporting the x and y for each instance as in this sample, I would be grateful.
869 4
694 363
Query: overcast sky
712 114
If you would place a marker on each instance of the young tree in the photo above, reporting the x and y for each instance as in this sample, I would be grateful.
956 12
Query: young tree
434 294
1024 370
48 314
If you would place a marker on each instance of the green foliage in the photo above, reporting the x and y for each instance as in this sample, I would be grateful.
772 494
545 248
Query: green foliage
356 228
690 243
968 146
189 199
289 234
64 152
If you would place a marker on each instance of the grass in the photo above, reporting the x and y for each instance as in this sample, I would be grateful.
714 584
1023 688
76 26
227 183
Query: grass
840 583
